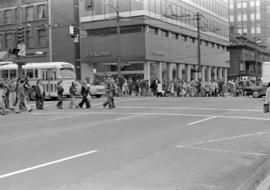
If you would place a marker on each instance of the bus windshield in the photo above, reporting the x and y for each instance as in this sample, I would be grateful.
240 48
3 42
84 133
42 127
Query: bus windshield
67 73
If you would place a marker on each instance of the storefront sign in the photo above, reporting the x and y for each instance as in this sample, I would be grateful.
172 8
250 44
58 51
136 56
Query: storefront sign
100 54
157 52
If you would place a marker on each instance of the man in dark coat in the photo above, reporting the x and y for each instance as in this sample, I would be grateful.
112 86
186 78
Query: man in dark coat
85 91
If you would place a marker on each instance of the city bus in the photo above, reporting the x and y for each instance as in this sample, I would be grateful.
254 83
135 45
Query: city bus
50 73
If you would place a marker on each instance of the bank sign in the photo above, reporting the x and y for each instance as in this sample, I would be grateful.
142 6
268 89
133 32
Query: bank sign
92 54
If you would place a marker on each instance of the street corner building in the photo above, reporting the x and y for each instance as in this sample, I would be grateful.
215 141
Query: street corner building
154 39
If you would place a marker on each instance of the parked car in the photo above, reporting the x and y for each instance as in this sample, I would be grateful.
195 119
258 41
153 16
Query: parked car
255 91
97 89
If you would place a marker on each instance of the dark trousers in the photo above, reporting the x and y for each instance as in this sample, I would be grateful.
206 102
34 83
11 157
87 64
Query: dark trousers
84 100
40 103
60 101
109 101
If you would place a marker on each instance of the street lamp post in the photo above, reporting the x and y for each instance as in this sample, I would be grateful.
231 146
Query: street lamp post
256 61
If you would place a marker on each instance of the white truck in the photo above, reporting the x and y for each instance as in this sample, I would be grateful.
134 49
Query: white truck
258 91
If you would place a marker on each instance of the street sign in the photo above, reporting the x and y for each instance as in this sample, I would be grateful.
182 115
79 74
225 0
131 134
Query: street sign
21 48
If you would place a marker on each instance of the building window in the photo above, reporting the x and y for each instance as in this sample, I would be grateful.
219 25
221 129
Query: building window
153 30
238 5
8 16
244 4
258 3
231 18
30 43
252 30
239 17
164 33
231 5
41 11
252 16
245 30
252 3
9 41
174 35
245 17
42 38
239 31
29 13
258 16
258 30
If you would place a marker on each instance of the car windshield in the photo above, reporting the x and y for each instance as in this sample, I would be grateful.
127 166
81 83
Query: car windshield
67 73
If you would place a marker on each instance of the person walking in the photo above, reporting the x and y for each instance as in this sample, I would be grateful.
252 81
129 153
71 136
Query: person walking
22 98
109 94
40 95
72 92
267 98
2 99
60 91
12 93
85 92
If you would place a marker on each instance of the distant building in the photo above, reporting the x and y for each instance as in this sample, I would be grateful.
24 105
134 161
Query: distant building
38 20
158 38
251 18
246 58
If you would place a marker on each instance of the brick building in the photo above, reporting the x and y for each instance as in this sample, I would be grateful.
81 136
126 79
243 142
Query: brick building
46 29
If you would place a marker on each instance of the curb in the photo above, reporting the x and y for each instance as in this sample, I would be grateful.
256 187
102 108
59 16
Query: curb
260 179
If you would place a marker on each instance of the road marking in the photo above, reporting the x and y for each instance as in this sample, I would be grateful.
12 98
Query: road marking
223 151
168 114
129 117
223 139
46 164
189 108
196 122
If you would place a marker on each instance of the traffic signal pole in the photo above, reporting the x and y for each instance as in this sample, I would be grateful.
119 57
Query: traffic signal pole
19 62
198 17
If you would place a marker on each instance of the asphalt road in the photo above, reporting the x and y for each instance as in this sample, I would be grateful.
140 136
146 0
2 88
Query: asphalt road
143 144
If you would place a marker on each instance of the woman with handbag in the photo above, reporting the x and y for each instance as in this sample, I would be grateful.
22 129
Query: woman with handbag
267 98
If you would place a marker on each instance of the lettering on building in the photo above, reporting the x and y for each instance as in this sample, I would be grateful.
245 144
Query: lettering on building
100 54
157 52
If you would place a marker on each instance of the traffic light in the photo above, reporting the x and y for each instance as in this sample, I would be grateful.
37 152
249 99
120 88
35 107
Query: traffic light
73 31
20 35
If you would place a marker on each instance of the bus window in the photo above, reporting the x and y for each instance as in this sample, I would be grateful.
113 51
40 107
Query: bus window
5 74
13 73
36 73
30 73
67 73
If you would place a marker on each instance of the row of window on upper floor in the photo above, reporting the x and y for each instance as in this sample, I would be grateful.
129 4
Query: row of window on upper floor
32 39
244 4
30 13
245 17
153 31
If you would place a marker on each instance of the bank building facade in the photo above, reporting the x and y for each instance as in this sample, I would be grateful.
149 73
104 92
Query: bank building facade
154 39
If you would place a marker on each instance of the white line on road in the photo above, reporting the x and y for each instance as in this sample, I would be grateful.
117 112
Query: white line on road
189 108
129 117
46 164
165 114
224 151
206 119
223 139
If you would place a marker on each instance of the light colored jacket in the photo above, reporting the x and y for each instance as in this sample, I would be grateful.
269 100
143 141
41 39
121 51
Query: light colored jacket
267 98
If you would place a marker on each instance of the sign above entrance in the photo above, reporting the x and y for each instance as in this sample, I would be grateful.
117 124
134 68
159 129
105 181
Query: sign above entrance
157 52
99 54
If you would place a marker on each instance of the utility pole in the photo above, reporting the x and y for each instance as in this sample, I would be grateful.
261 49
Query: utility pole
50 29
18 61
118 41
198 18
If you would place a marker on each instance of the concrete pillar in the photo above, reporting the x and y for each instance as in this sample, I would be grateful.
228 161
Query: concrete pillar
225 75
147 28
220 73
159 32
188 73
179 71
169 71
146 70
195 74
209 73
159 71
215 73
203 73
